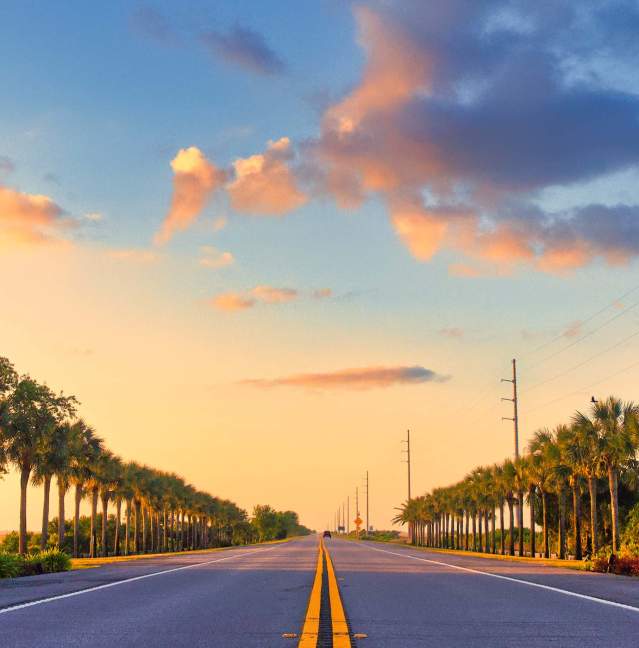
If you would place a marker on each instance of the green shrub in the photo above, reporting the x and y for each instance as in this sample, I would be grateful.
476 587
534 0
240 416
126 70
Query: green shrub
30 565
54 560
10 565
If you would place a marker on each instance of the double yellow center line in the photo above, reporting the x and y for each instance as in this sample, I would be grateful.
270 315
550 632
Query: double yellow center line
339 626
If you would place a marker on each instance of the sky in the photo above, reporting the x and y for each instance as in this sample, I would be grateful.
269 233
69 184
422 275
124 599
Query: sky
260 241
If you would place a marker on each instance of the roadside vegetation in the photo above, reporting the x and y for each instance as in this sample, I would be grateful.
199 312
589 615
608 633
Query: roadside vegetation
580 483
134 508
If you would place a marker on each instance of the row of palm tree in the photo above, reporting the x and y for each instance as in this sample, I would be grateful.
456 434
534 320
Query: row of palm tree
560 469
42 437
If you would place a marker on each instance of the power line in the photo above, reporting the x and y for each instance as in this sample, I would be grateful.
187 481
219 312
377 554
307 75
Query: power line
581 364
588 319
580 391
585 335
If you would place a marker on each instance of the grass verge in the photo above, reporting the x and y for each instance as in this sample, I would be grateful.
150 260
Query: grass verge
88 563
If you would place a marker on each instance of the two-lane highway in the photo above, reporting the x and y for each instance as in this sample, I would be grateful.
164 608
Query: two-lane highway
251 597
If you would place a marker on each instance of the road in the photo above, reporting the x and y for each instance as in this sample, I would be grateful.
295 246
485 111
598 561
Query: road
250 597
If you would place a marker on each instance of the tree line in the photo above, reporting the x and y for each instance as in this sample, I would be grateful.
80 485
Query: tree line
578 479
42 436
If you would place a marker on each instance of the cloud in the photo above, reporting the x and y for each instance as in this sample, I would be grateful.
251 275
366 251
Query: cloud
94 217
452 332
271 295
194 180
150 23
466 111
212 258
261 294
6 166
264 183
322 293
573 330
219 223
245 48
231 302
29 218
358 378
135 255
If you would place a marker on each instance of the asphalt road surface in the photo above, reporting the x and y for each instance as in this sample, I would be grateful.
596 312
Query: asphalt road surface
250 597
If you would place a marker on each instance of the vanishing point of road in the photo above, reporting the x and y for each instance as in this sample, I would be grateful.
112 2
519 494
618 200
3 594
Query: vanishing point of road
313 594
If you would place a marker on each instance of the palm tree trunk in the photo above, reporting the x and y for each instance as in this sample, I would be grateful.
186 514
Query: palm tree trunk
561 508
152 529
511 528
487 534
501 527
467 532
165 532
592 491
614 507
25 472
103 538
127 528
44 536
480 520
493 547
520 521
62 491
531 504
144 538
136 527
576 519
544 513
474 531
93 531
76 521
118 518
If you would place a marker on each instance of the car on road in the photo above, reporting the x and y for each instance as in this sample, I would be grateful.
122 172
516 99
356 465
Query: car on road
326 534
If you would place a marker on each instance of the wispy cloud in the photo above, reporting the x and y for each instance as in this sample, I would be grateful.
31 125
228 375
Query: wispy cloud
94 217
573 330
150 23
135 255
211 257
452 332
357 378
6 165
244 47
236 301
231 302
322 293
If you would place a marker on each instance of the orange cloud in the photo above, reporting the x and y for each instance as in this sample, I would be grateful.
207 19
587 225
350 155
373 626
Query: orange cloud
194 180
213 258
28 218
270 295
264 183
231 302
136 255
358 378
322 293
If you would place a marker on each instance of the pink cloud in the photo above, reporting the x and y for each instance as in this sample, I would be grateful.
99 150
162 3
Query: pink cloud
357 378
135 255
29 218
194 180
264 183
271 295
213 258
452 332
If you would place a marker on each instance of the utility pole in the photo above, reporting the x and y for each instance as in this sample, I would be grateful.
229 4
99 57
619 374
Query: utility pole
407 451
367 523
513 400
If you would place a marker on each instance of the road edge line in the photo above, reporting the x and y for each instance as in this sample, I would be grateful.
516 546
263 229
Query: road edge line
57 597
586 597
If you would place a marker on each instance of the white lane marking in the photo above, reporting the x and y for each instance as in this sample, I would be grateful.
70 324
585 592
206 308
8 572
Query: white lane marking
513 580
20 606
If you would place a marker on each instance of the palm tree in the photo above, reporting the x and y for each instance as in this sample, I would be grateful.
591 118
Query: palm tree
89 448
108 469
540 466
588 462
32 411
509 477
618 427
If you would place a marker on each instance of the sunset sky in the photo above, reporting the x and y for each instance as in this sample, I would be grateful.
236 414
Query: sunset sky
260 240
